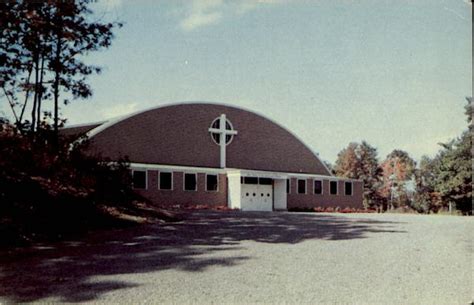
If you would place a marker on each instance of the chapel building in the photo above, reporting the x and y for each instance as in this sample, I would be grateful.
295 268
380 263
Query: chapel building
212 154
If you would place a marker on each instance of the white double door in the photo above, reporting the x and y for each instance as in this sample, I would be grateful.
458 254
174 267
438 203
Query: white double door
255 197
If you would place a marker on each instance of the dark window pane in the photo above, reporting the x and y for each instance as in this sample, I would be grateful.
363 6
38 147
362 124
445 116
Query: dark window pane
216 137
216 124
189 182
251 180
287 186
301 186
318 187
166 181
139 179
348 188
265 181
211 183
333 187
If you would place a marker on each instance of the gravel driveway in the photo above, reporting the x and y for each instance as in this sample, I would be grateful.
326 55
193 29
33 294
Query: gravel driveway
241 258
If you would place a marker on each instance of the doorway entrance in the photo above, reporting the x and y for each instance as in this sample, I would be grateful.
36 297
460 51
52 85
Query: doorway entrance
256 194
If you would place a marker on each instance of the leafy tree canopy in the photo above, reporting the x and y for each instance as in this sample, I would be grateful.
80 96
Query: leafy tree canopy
359 161
42 48
452 172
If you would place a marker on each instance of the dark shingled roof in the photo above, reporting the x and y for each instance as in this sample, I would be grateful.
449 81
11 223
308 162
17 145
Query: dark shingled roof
77 131
178 135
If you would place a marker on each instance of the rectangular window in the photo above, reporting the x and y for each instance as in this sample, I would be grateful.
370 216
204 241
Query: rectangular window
166 181
301 186
265 181
139 179
318 187
190 182
250 180
348 188
333 187
288 185
212 183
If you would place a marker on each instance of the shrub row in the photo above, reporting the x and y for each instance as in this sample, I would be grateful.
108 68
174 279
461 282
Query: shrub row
332 210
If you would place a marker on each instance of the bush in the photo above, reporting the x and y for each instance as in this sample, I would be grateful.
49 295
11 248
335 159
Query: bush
320 209
51 192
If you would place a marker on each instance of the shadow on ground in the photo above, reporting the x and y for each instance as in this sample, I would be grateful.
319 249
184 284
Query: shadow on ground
66 271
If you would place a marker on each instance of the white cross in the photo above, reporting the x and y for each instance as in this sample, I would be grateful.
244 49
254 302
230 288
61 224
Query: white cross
223 132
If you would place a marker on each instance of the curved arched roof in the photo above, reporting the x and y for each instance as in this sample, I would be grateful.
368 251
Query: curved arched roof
178 135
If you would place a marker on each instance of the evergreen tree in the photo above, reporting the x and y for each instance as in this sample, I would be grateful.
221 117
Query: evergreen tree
446 180
453 174
469 112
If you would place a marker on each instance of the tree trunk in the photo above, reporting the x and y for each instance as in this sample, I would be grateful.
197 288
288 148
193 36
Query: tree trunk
27 96
40 95
56 84
35 99
12 104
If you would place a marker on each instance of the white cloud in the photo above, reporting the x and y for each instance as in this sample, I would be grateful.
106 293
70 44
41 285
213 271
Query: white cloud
119 110
248 5
197 20
202 13
206 12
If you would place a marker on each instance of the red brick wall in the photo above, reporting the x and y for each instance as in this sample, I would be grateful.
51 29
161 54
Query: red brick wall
311 200
178 196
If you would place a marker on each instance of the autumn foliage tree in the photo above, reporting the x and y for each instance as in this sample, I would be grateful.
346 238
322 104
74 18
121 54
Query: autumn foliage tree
359 161
397 170
442 182
348 163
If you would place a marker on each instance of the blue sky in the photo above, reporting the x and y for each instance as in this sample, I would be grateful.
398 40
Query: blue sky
393 73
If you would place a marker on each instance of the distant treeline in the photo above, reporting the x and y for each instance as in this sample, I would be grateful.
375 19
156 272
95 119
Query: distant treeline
442 183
